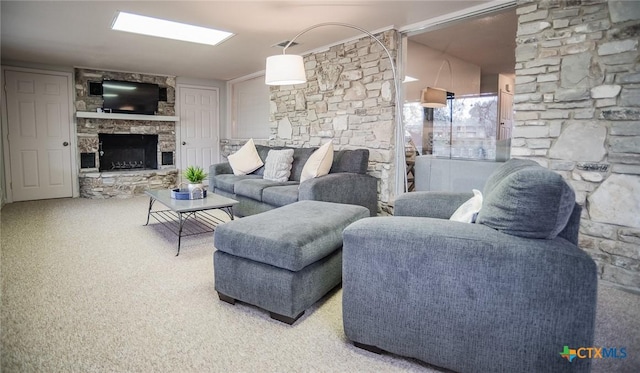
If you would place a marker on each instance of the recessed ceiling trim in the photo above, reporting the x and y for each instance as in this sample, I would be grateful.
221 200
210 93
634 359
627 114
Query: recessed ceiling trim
462 15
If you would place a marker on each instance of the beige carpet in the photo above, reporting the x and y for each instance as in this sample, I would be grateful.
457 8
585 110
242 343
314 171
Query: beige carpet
86 287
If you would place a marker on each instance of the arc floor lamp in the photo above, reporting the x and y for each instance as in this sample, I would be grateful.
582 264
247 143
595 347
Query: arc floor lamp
288 69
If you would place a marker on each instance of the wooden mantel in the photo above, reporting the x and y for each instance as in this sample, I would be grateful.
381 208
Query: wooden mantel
96 115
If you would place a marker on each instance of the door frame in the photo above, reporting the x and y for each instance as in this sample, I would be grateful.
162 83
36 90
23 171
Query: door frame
73 137
178 129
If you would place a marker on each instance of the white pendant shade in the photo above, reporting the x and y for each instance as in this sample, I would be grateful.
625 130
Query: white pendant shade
285 69
433 97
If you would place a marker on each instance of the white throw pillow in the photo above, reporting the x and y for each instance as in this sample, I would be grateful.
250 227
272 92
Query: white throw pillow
468 211
319 163
245 160
277 166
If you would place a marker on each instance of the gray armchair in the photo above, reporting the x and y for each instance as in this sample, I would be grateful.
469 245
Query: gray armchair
505 294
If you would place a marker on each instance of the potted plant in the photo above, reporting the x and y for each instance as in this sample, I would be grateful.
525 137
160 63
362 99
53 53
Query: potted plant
195 175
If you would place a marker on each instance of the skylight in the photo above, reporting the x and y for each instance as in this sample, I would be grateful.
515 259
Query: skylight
168 29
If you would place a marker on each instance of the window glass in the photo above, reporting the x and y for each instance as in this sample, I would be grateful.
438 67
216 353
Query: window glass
465 129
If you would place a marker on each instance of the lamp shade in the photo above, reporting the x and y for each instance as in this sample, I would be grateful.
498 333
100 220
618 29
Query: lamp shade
285 69
433 97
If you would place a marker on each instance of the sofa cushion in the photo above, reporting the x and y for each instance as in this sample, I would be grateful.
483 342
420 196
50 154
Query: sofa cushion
227 181
319 163
245 160
506 169
277 167
300 156
355 160
291 237
263 152
531 202
252 188
280 195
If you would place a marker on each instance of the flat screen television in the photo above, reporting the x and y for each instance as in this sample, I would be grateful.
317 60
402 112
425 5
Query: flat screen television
130 97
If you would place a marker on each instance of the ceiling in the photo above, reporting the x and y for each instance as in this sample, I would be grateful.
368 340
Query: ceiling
489 41
77 33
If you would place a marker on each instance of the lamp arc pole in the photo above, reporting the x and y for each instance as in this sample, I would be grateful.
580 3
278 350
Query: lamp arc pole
401 182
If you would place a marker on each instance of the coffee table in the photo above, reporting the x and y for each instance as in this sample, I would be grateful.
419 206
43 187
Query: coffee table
189 217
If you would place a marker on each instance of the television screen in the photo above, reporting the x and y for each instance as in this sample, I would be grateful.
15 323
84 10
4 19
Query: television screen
130 97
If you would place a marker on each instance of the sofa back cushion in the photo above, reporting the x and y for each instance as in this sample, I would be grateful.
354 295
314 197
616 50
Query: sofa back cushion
527 201
300 156
506 169
263 152
356 161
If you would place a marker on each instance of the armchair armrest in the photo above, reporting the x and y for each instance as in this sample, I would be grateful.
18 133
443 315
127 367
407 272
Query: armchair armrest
436 290
342 187
218 169
440 205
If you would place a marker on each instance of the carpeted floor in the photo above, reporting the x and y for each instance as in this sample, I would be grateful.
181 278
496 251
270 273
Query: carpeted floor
87 287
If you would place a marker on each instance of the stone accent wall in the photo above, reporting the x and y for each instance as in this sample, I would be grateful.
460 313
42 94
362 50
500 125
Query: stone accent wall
94 184
86 102
230 146
348 99
577 109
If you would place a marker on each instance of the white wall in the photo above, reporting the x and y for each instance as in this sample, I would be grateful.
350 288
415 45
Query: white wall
423 63
249 109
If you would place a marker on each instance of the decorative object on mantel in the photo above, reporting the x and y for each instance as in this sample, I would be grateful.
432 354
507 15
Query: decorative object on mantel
98 115
287 69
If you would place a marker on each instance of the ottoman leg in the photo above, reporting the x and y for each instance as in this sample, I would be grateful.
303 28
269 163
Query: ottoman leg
369 348
226 298
285 319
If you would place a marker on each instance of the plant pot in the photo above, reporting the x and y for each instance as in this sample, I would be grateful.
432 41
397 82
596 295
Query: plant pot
196 190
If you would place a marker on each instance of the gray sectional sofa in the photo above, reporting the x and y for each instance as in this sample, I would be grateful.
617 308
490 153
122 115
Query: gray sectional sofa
347 182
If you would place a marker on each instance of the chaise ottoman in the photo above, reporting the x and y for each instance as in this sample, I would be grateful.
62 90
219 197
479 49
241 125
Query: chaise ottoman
283 260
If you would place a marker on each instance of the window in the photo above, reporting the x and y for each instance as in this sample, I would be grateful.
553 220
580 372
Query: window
464 129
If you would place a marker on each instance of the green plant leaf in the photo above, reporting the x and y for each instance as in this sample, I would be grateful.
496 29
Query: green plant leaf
194 174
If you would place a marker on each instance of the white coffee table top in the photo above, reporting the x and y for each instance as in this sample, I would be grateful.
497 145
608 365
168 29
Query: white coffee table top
211 201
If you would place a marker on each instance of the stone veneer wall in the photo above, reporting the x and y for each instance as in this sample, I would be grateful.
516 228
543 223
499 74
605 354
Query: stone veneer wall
577 109
348 99
94 184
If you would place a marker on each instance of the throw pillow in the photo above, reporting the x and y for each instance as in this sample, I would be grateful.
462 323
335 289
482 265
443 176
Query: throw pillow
319 163
277 166
245 160
468 211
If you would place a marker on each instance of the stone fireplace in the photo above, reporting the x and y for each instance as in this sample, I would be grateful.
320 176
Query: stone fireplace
119 152
122 155
121 158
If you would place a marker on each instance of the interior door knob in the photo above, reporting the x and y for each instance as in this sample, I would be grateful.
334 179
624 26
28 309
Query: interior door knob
65 143
184 143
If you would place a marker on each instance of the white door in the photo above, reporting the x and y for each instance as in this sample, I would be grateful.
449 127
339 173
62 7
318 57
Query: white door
506 115
199 145
39 135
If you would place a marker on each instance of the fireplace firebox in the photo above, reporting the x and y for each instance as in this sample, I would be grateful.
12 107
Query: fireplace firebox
128 151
